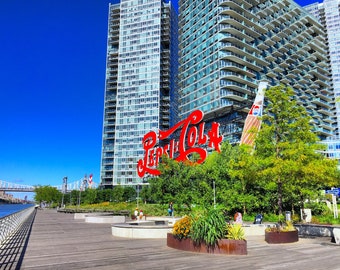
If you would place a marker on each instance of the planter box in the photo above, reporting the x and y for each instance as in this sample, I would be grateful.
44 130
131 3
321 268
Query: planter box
281 237
224 246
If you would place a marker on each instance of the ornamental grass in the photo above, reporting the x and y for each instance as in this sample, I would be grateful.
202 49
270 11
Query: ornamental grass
208 227
235 232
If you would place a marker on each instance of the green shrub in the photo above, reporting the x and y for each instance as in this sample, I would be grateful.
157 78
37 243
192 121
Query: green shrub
328 219
315 220
248 217
208 227
270 217
318 208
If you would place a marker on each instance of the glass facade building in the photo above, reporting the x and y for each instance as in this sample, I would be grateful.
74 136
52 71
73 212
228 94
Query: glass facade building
328 14
228 46
141 72
333 148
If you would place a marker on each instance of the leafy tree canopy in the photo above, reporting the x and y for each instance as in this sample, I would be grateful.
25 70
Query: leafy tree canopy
47 194
287 150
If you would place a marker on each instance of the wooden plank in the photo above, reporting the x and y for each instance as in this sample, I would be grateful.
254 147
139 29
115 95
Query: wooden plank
58 241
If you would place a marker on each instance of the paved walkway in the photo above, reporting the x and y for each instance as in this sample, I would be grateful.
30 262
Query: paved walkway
58 241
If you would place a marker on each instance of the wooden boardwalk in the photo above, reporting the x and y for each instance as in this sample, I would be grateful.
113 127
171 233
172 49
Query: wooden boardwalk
57 241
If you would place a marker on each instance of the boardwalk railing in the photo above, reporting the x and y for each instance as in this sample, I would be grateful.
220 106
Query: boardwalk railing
11 223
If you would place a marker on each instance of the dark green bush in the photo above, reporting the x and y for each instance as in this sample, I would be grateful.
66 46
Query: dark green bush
318 208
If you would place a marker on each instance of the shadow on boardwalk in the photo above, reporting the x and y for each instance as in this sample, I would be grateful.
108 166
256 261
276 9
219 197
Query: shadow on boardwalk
58 241
12 251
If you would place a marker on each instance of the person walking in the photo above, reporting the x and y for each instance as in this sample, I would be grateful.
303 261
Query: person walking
171 209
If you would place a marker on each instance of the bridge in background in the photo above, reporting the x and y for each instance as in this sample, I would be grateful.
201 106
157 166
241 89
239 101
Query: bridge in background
14 187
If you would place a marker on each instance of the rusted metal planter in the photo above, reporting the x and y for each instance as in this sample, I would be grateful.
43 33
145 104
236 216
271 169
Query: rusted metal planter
224 246
281 237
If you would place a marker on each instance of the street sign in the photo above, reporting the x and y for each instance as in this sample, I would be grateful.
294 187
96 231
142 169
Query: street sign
334 191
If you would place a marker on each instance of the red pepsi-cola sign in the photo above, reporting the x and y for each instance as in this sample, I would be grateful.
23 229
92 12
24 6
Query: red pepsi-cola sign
192 139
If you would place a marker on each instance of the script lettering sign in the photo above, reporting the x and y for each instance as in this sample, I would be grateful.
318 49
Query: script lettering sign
191 140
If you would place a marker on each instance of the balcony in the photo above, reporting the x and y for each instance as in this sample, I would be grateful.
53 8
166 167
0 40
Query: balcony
240 59
242 88
234 95
325 111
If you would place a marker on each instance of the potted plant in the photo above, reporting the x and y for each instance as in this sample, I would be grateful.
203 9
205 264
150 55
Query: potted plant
208 232
280 234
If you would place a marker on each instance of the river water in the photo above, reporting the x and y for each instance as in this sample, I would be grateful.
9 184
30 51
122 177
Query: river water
8 209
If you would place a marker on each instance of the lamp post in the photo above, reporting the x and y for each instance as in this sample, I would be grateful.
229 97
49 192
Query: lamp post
63 190
82 185
137 195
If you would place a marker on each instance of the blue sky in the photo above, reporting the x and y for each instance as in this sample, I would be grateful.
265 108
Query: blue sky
52 75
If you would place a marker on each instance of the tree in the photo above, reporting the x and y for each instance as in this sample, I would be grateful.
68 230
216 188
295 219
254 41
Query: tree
233 173
145 194
180 182
104 195
129 194
117 194
74 197
216 175
90 196
286 150
47 194
242 169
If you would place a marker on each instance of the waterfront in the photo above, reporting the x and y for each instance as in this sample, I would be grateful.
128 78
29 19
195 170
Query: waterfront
8 209
52 240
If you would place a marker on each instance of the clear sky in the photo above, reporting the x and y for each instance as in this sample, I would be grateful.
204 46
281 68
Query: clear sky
52 79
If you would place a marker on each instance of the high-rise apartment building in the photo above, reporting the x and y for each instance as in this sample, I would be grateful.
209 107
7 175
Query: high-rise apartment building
228 47
140 83
328 14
